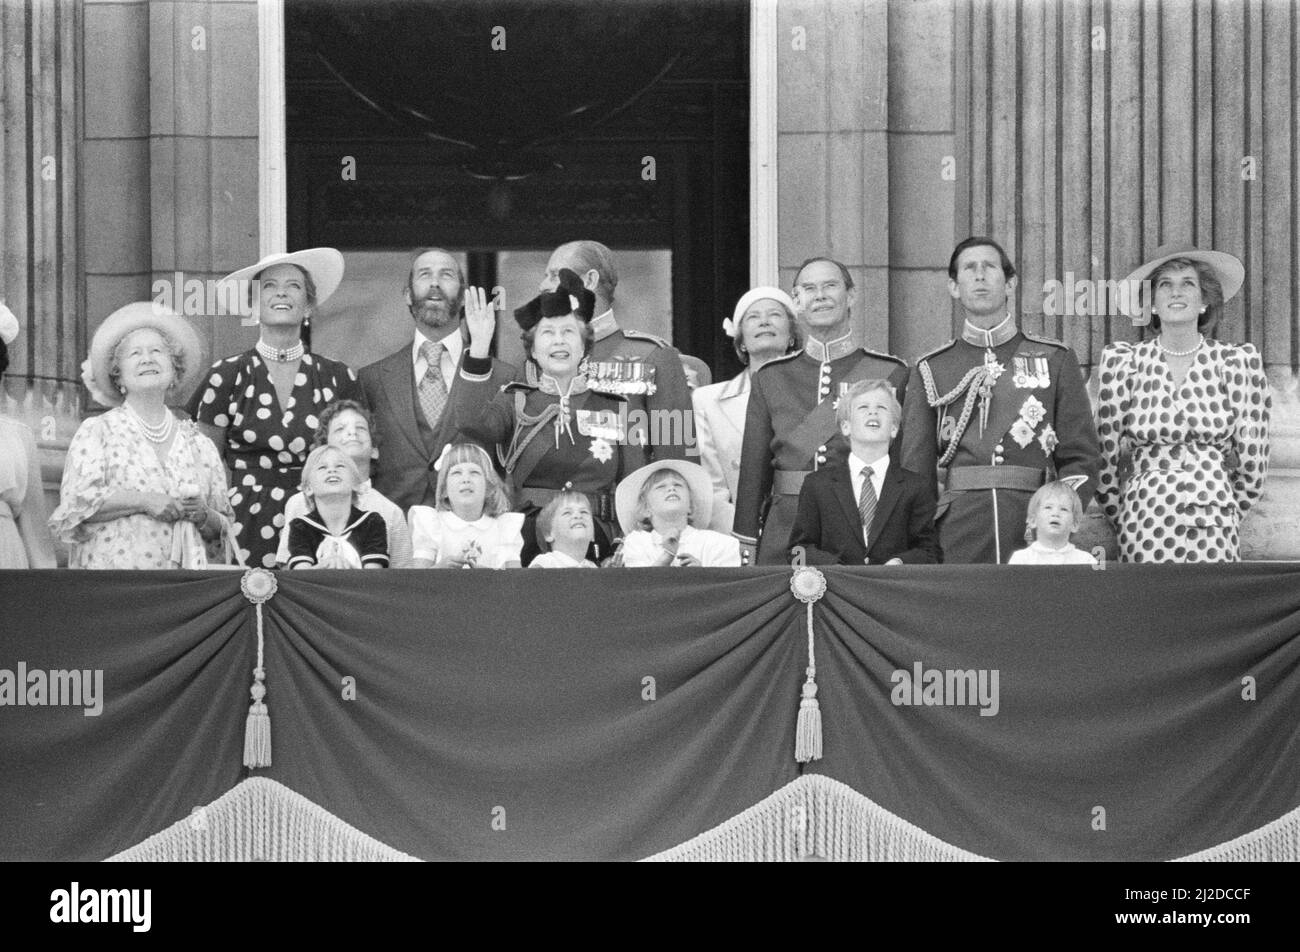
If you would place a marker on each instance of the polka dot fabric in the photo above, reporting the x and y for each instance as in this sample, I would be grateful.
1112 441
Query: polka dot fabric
266 444
1197 452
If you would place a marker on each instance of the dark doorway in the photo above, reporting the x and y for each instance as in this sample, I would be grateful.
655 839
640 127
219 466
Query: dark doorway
497 127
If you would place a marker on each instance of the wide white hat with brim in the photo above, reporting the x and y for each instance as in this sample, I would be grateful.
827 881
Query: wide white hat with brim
731 325
325 265
131 318
1229 270
697 481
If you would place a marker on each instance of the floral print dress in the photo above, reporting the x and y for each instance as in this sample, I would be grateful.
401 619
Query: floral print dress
110 453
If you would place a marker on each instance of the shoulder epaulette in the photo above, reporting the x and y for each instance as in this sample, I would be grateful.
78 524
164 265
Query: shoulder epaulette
883 356
642 335
1045 340
938 350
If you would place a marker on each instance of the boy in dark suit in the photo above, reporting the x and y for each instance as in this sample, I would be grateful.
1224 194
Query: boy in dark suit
866 509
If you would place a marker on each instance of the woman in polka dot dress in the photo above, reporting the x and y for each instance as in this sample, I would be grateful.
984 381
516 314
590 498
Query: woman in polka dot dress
262 406
1182 419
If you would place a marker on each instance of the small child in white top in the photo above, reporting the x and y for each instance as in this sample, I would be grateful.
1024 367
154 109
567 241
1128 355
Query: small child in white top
471 528
1055 514
564 533
347 425
659 507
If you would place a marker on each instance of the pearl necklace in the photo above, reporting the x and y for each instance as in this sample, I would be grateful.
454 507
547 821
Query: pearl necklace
1181 353
154 434
280 356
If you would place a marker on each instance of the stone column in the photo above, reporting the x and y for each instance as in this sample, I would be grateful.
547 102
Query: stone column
38 221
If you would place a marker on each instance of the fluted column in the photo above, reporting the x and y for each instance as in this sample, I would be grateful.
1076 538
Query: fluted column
39 218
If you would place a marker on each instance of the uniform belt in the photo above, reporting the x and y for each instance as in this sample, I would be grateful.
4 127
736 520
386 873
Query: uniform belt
602 504
788 482
962 478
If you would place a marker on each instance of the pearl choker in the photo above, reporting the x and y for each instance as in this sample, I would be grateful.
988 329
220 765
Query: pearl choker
154 434
280 356
1181 353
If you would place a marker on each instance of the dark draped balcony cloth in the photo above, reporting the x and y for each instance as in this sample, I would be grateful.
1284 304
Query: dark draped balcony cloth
506 715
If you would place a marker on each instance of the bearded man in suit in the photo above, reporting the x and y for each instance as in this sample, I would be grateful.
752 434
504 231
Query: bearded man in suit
407 391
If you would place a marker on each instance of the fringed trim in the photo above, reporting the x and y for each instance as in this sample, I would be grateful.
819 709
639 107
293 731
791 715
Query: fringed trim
260 820
815 817
1276 842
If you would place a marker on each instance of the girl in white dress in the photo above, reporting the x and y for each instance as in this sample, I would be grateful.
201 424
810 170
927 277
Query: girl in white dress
1055 514
472 527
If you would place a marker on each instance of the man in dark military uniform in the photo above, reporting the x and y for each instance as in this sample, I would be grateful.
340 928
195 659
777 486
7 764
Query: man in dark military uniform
645 369
998 411
790 426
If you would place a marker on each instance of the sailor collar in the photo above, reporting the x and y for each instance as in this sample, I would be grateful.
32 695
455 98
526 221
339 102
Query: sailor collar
355 518
603 325
995 337
832 350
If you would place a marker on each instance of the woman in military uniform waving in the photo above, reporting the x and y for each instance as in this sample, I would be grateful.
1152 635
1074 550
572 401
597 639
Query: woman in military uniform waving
550 431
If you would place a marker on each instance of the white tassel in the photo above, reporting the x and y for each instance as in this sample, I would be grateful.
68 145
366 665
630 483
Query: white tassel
257 729
808 730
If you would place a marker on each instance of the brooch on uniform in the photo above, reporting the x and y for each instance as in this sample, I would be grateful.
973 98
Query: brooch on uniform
1048 440
601 451
621 376
1030 371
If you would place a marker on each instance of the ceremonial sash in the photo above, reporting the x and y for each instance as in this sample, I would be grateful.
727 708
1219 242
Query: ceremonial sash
820 425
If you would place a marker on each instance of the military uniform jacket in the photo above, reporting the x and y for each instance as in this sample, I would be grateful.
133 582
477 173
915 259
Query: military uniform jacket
586 455
777 436
647 370
1038 417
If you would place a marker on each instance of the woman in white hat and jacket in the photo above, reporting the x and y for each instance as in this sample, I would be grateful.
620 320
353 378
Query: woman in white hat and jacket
762 327
1182 418
262 407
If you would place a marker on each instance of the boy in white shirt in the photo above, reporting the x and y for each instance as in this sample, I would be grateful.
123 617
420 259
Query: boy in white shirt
565 531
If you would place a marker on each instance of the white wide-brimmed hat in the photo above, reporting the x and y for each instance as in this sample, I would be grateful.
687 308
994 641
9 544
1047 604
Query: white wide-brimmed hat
731 325
1228 269
325 265
697 481
133 317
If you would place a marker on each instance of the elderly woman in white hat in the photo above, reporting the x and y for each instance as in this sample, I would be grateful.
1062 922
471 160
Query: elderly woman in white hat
142 489
262 407
663 508
762 327
1192 411
24 537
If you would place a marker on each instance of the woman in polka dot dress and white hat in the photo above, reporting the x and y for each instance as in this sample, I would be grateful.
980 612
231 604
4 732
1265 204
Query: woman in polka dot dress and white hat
261 407
1182 418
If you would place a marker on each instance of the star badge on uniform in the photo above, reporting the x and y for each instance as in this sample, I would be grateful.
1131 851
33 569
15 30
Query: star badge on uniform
601 450
1022 433
1032 412
1048 440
